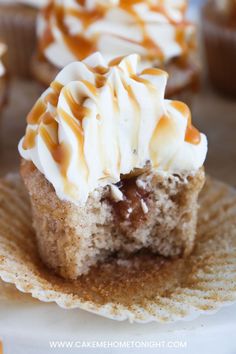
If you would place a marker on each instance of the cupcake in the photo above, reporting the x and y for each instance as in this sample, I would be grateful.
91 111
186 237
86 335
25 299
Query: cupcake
3 77
156 30
219 33
111 166
17 30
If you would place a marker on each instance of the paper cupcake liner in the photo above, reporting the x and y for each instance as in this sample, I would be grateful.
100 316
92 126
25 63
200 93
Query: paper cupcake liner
8 292
17 30
220 48
142 288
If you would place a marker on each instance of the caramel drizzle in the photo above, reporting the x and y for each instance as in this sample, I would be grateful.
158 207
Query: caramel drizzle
29 139
36 112
61 154
153 71
192 135
78 110
81 46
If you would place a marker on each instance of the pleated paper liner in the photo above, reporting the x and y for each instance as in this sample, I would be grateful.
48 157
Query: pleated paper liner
142 288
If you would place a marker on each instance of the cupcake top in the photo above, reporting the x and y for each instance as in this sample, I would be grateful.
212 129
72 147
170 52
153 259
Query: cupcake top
2 52
99 121
157 30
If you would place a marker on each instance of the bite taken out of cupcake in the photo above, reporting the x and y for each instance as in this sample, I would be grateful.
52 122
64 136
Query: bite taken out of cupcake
157 30
111 166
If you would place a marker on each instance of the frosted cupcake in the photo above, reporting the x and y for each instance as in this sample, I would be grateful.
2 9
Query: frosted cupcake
111 166
17 30
156 30
219 31
3 77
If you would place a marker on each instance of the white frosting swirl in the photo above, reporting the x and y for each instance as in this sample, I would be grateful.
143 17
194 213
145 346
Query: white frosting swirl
96 122
2 51
154 29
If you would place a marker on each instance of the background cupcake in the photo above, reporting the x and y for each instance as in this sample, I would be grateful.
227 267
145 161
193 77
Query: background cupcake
17 29
156 30
219 30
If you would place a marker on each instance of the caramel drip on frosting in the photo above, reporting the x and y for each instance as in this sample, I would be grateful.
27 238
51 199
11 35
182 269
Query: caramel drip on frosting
77 109
36 112
61 154
152 71
192 135
29 139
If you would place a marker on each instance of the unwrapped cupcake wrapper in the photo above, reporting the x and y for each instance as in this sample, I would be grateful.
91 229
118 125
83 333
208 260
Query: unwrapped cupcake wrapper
220 48
142 288
17 30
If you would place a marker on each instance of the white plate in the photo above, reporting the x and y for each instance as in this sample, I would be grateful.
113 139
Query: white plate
32 325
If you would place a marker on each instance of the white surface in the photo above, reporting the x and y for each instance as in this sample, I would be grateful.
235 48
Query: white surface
33 325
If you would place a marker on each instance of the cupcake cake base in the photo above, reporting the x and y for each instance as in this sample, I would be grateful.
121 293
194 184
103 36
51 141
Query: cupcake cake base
158 213
142 287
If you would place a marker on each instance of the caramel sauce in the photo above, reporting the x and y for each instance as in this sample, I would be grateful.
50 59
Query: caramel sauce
180 39
116 61
87 17
90 86
78 44
36 112
152 71
77 109
131 94
154 51
78 132
52 98
47 38
59 151
130 209
140 79
147 83
29 139
100 80
100 70
192 135
47 118
56 86
164 130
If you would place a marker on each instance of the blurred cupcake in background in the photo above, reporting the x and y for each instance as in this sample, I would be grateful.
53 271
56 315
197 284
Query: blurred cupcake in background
17 30
219 31
3 77
157 30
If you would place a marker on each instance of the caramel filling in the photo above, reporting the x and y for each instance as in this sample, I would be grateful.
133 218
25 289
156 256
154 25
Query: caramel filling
130 208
